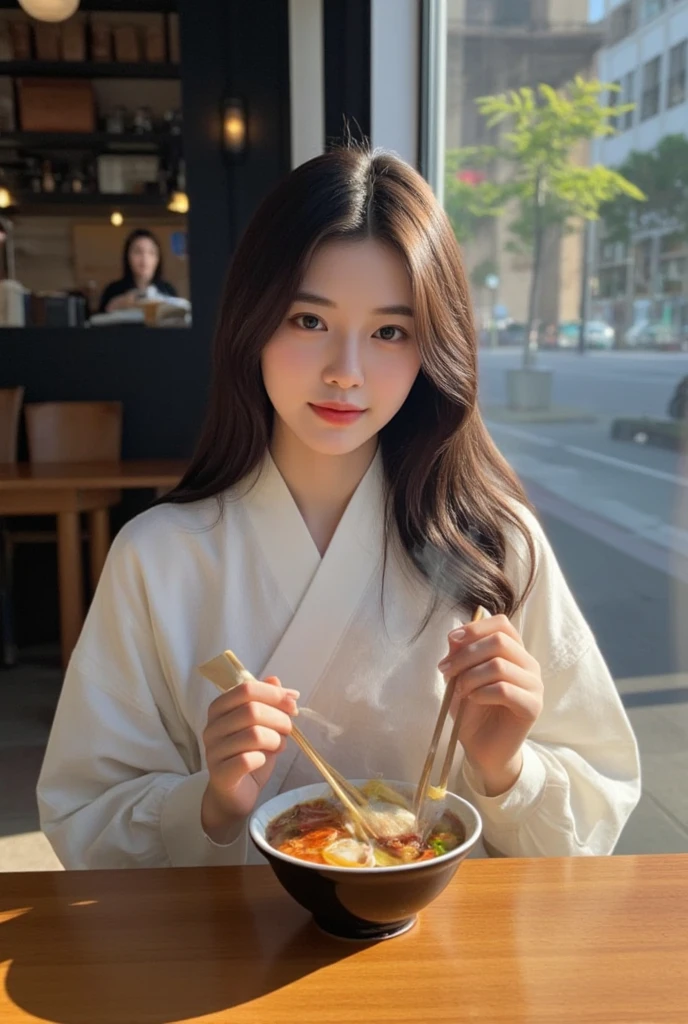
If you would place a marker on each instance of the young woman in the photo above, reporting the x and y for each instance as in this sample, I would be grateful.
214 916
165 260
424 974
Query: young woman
344 515
141 269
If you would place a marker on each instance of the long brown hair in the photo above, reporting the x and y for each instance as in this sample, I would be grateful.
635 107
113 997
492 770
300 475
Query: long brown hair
451 496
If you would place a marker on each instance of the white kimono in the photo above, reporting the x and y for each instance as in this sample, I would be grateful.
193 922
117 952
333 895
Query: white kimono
124 773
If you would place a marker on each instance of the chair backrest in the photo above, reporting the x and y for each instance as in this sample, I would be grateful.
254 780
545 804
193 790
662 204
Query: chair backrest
74 431
10 411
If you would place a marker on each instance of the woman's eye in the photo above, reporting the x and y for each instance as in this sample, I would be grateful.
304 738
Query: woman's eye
390 334
309 322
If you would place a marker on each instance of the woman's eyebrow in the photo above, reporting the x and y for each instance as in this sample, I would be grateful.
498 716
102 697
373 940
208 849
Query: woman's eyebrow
320 300
394 311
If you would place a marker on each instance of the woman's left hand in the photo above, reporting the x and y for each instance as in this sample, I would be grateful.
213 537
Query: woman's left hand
499 695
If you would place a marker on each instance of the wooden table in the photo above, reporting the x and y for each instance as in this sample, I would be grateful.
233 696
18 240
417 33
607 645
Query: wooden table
66 490
571 941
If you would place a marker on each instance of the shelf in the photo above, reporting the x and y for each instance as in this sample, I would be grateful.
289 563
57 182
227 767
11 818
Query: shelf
119 142
117 6
64 203
86 69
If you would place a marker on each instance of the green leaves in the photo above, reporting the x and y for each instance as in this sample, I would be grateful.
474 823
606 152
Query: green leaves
661 175
539 163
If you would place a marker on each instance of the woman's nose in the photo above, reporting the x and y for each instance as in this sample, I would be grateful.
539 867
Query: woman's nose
345 367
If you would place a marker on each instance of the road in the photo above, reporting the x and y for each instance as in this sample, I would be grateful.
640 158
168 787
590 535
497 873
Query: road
607 383
617 516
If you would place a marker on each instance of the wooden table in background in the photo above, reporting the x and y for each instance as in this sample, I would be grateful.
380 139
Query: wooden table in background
572 941
65 490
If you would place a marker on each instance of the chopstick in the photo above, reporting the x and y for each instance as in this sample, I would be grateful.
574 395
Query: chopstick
225 672
424 782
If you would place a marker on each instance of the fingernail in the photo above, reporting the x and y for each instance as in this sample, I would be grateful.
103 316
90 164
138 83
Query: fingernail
457 634
293 693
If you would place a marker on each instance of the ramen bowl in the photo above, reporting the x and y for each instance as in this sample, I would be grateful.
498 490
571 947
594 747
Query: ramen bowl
365 904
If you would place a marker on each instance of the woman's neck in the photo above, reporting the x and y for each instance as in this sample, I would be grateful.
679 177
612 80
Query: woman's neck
321 485
141 283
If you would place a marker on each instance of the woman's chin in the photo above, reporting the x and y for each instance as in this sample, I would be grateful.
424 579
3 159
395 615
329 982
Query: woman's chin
338 442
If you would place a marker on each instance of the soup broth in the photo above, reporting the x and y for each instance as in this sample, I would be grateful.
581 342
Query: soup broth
319 831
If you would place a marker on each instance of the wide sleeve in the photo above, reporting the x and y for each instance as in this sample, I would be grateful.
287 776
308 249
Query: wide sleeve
121 784
581 773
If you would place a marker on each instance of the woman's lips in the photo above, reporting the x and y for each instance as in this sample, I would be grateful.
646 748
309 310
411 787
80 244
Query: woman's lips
341 415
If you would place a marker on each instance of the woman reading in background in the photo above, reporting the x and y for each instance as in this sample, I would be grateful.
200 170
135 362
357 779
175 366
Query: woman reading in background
141 274
345 513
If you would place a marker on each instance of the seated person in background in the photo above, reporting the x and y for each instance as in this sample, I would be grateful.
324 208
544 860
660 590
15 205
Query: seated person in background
142 270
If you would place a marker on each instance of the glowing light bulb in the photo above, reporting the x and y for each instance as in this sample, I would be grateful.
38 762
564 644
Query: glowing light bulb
179 203
117 220
50 10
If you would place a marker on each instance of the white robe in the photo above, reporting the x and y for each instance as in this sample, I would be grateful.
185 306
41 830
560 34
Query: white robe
124 772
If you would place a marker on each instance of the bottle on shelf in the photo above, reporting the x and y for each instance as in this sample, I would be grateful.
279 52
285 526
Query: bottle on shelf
48 183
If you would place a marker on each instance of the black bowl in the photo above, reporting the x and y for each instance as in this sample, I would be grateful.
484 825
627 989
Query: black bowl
362 903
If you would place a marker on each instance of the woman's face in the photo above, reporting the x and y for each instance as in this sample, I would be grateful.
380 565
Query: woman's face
345 358
144 258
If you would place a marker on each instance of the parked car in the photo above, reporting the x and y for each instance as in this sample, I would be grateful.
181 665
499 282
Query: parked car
513 334
597 334
654 334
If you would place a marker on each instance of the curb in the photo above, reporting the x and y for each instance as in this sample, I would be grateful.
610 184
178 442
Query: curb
555 414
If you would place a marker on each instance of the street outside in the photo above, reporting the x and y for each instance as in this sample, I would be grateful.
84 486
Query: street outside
616 514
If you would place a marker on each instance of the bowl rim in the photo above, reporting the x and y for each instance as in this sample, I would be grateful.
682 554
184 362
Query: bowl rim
255 831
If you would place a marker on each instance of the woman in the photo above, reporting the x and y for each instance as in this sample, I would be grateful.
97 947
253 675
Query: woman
345 513
142 269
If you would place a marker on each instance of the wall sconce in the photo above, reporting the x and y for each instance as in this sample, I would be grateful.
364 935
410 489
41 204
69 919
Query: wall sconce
49 10
234 128
179 203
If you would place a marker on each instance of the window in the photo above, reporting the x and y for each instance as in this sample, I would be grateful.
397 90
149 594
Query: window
676 92
613 101
651 85
652 9
626 277
623 21
512 12
627 96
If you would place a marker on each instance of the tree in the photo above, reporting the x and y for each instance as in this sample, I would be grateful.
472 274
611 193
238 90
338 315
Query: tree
532 169
662 175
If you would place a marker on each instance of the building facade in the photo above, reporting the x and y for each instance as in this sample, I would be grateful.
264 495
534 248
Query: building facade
494 46
643 284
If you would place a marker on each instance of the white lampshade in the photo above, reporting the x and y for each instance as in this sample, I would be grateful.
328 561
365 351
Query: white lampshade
50 10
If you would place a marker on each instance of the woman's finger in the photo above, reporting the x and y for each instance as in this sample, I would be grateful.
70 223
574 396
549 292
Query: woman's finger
466 655
496 671
254 738
244 693
469 632
521 703
252 714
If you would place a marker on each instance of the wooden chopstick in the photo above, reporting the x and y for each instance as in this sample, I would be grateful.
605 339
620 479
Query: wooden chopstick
423 784
225 672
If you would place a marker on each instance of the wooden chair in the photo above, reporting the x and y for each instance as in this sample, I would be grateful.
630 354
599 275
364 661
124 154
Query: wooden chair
74 431
10 411
69 432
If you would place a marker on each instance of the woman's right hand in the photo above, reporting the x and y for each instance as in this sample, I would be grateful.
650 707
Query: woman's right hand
126 301
247 728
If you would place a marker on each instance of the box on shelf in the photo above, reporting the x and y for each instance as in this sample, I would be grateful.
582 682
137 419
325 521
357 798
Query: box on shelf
126 174
56 105
20 32
73 39
101 41
127 44
47 40
155 44
7 118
